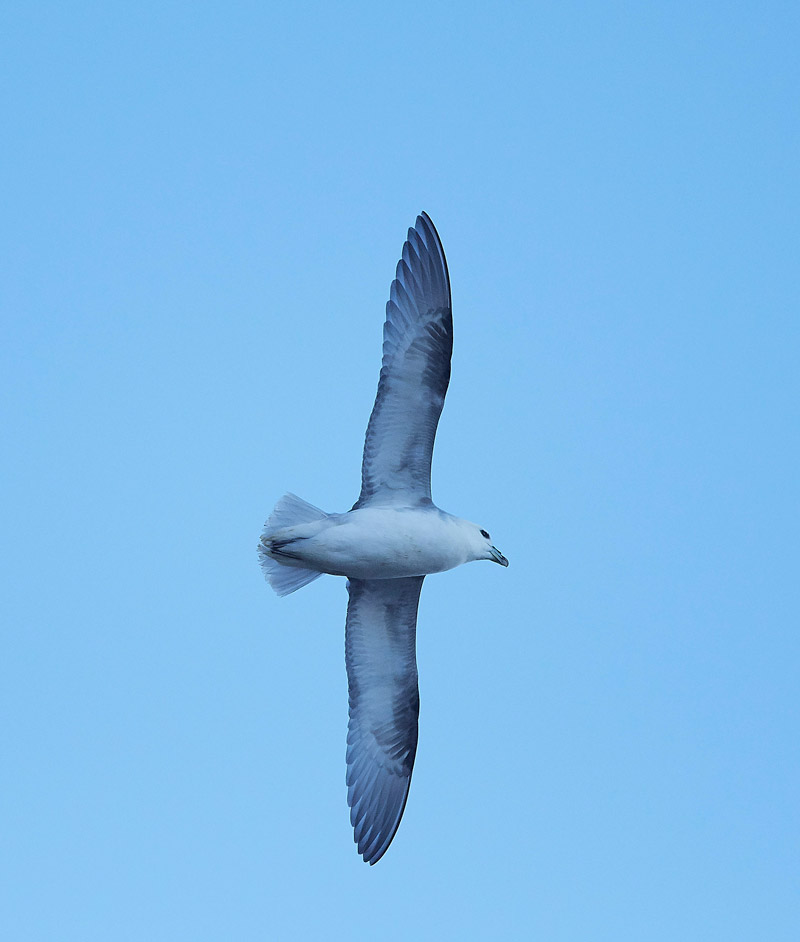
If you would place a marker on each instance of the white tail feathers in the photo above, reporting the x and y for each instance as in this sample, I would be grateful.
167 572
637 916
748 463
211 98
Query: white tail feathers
291 510
288 512
285 579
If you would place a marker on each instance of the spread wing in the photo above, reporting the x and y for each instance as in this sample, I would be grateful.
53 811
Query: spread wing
380 653
417 346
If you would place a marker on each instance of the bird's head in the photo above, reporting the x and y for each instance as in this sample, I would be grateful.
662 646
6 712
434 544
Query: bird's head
481 546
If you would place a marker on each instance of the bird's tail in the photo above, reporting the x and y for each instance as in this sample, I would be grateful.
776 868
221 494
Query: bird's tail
283 575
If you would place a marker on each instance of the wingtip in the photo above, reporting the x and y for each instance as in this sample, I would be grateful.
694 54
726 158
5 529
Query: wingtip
425 227
371 855
426 220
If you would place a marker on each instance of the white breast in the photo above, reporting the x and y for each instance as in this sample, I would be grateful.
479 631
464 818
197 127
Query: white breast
385 543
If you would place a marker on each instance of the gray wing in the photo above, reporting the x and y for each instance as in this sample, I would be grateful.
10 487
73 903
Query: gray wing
380 653
417 346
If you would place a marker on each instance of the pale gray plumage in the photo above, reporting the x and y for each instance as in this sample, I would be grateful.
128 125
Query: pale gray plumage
387 543
417 346
380 653
398 449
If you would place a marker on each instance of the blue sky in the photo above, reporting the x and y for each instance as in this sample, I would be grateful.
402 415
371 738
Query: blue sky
203 206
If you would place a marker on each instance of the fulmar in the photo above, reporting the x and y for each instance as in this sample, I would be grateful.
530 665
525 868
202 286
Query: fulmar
392 538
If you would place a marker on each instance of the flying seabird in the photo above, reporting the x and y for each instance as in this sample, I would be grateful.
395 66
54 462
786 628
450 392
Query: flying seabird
392 538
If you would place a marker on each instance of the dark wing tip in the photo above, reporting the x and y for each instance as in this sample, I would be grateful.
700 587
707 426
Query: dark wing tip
433 242
377 810
373 846
425 226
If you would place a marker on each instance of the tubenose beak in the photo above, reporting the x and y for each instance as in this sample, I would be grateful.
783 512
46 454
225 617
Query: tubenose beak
497 556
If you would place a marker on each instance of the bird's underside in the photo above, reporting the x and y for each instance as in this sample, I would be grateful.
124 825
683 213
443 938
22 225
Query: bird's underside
396 479
381 625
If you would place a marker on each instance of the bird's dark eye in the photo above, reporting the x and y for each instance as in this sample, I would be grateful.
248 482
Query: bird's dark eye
484 533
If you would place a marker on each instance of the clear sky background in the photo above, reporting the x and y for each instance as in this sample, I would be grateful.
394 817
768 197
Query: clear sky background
203 205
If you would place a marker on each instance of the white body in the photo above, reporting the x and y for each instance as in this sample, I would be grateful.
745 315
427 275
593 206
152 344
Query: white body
379 543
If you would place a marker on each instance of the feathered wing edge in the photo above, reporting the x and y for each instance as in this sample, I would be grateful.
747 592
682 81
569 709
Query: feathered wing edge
415 373
380 653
